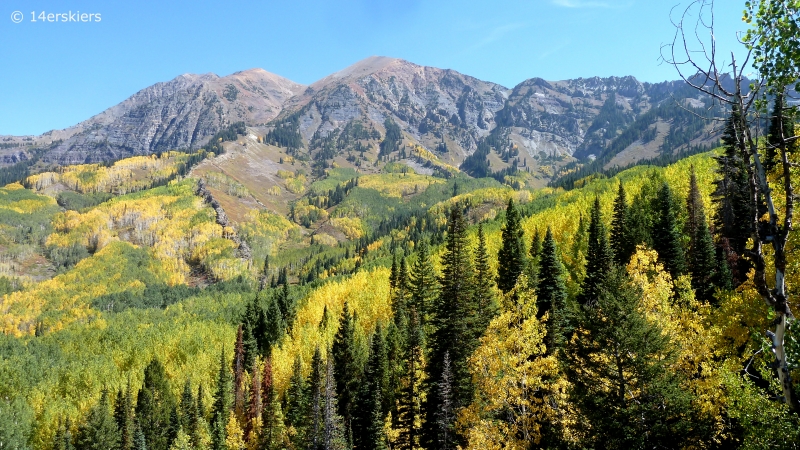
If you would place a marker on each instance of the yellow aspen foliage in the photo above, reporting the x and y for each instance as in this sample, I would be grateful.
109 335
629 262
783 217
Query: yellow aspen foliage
397 184
516 384
353 228
366 293
235 435
685 320
182 442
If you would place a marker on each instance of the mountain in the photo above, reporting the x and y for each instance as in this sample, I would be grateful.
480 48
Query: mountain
382 109
180 113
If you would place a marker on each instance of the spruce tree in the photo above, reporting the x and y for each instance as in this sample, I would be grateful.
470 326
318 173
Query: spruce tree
315 433
781 128
599 258
334 428
484 301
511 259
621 352
551 295
723 277
667 236
296 401
139 439
423 283
274 325
271 415
621 241
223 401
345 367
188 419
393 273
254 405
734 216
62 440
533 260
369 415
252 329
154 406
409 411
99 432
238 375
452 320
704 263
123 415
446 414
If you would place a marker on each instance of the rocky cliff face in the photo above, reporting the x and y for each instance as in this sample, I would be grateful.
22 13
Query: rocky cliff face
178 114
429 104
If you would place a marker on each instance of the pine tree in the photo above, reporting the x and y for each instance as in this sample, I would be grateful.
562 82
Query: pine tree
599 259
666 236
346 368
238 375
621 241
446 414
423 283
100 431
511 259
123 415
552 292
223 401
315 434
621 352
485 303
154 406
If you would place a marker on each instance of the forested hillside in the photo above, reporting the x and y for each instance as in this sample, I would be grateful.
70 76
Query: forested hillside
255 295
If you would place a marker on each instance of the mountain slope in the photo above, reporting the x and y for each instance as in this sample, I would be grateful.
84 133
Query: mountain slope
181 113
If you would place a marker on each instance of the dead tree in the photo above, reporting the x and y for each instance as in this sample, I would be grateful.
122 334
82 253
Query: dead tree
693 53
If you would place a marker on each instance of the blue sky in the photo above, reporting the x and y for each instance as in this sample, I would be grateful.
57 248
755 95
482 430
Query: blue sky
54 75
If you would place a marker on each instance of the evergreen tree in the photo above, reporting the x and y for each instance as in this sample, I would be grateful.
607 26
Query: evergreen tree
511 259
346 367
620 352
393 273
599 259
704 263
451 323
188 415
123 415
252 329
223 401
254 405
63 437
139 439
154 406
271 414
734 216
621 241
238 375
667 236
99 432
446 414
423 283
296 402
781 127
552 292
274 325
368 418
315 434
695 212
335 431
723 277
532 269
485 304
410 403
